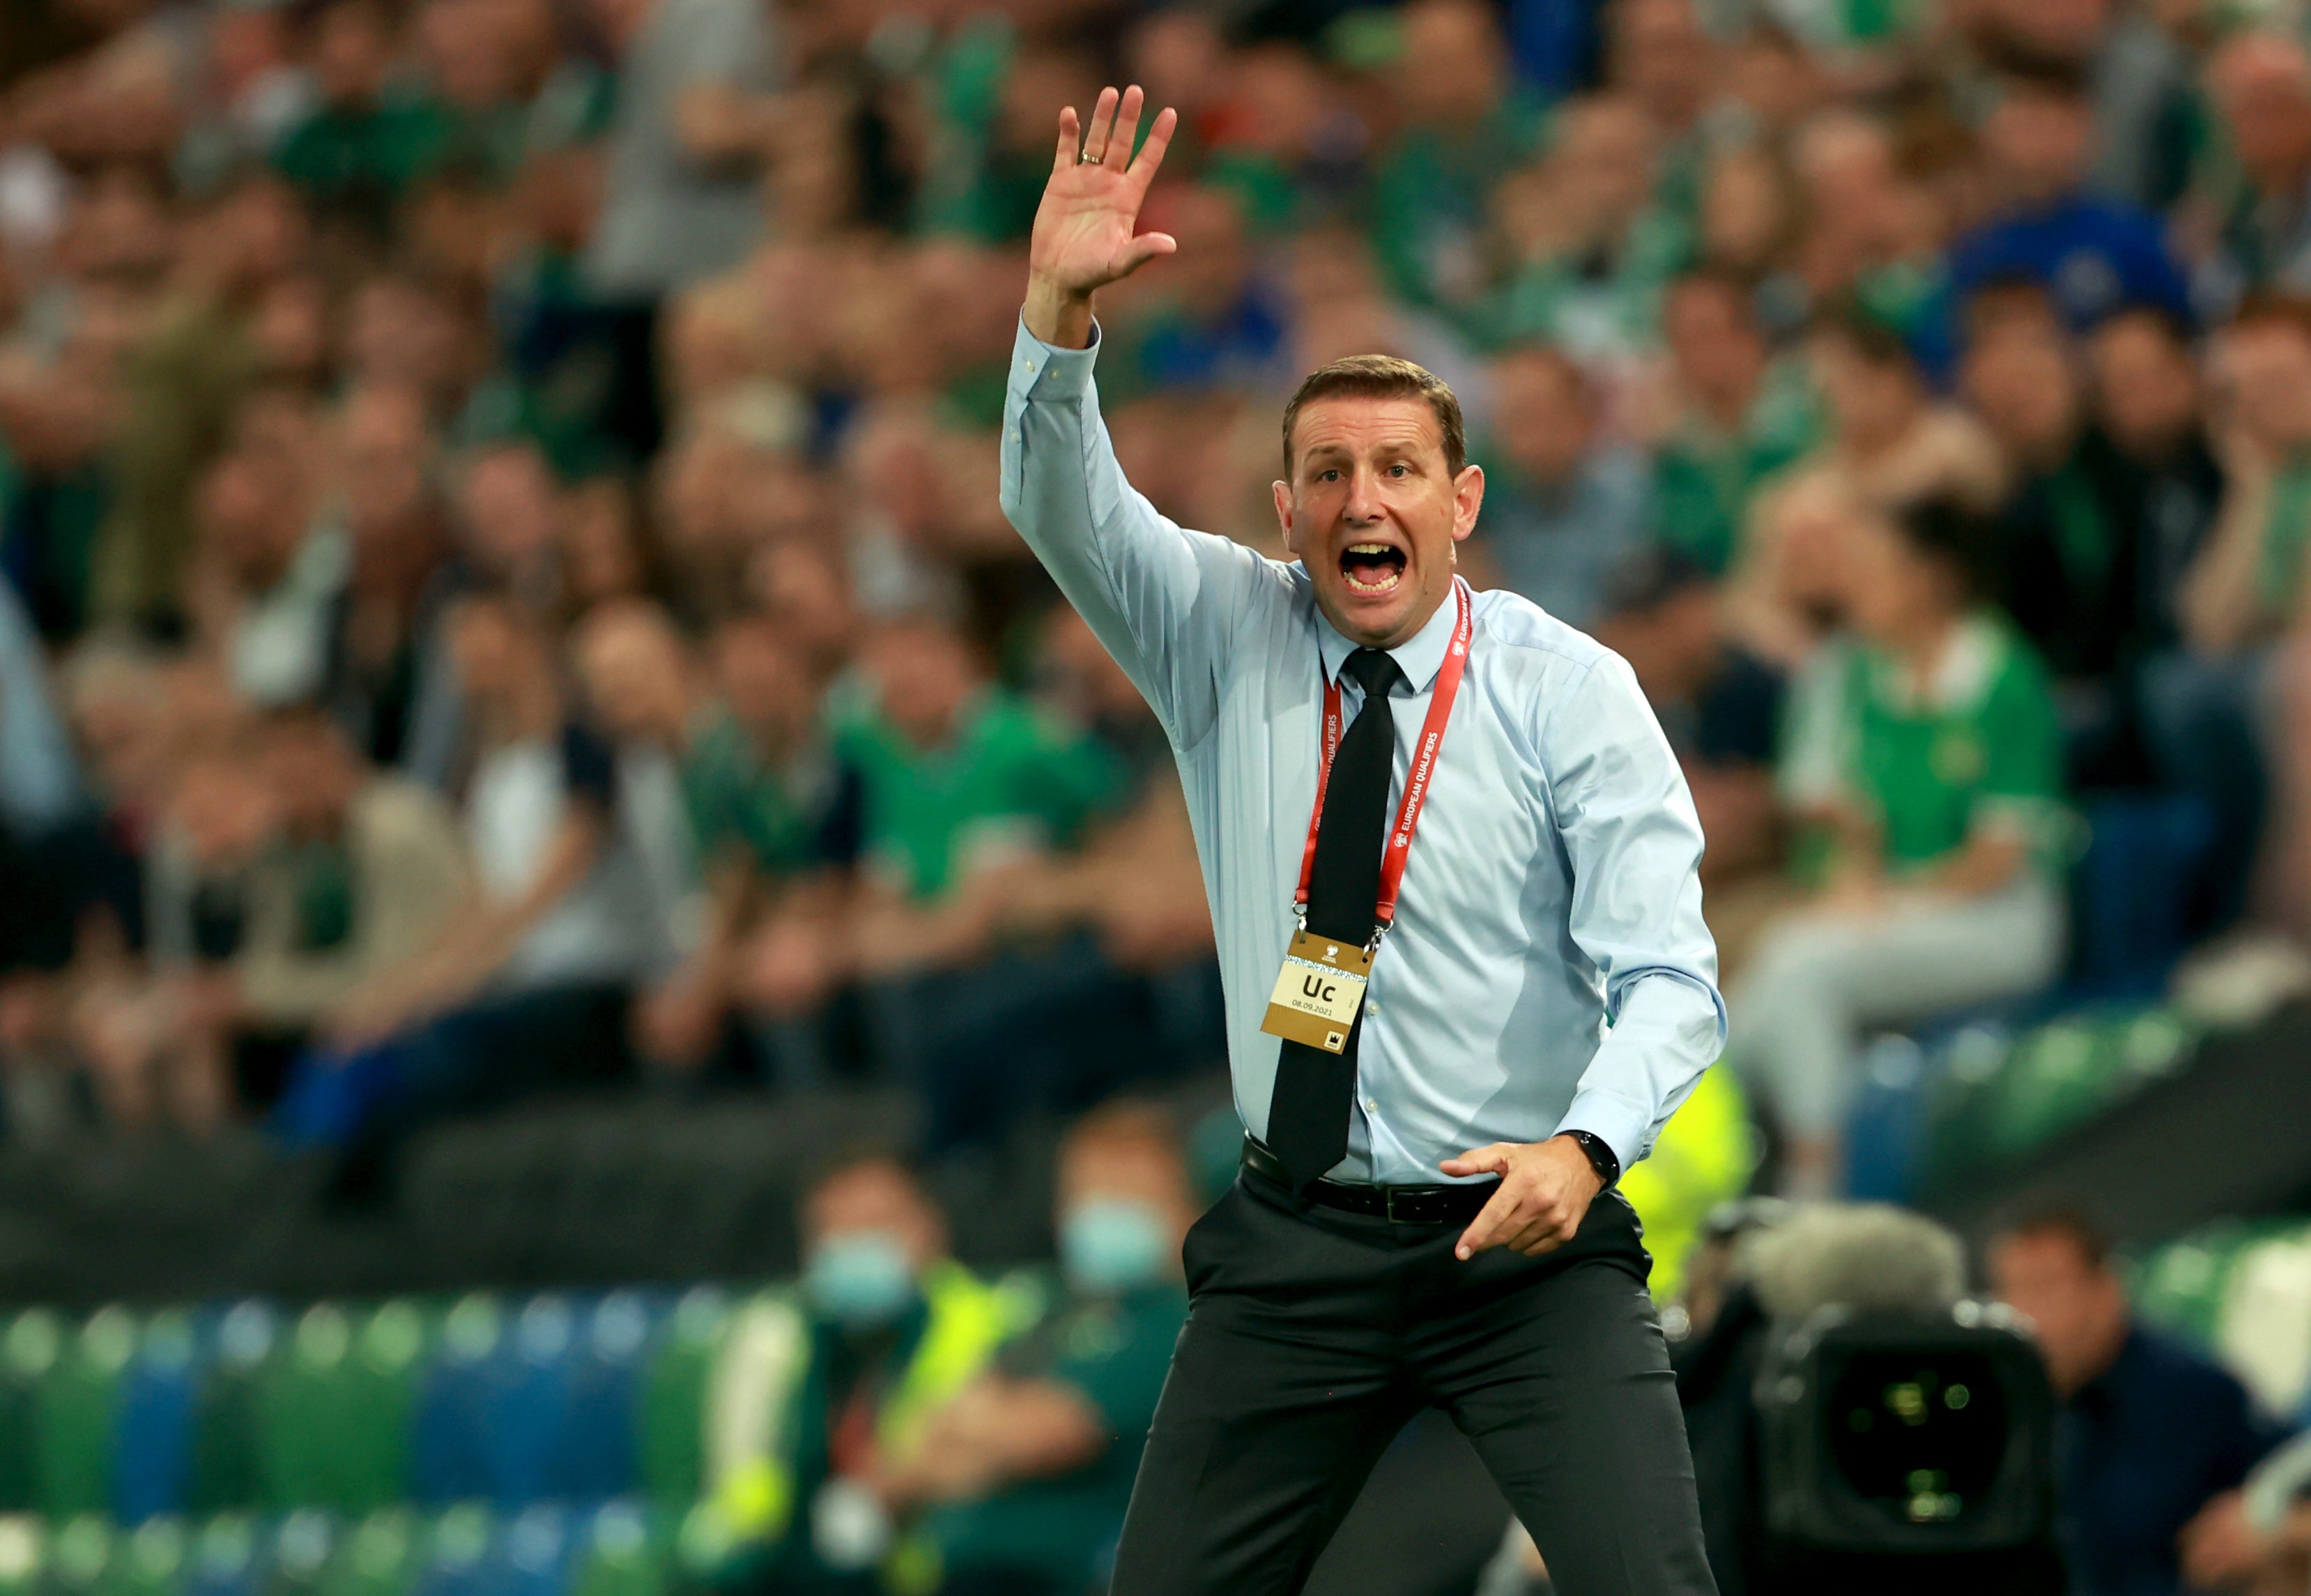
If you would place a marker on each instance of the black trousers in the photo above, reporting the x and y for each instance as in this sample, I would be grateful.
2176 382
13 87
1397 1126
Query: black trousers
1315 1335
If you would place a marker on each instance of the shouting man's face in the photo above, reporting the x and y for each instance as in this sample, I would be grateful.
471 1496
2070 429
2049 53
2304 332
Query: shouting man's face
1372 510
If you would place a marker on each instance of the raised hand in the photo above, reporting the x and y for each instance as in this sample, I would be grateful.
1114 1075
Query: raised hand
1084 236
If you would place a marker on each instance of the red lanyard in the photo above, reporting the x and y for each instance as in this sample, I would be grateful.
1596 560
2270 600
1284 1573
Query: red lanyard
1416 786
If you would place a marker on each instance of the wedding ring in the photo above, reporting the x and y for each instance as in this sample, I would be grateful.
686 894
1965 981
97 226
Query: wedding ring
1084 157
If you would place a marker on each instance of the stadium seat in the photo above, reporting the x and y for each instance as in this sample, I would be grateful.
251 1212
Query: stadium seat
226 1472
74 1415
674 1399
621 1557
534 1552
599 1455
451 1439
457 1560
225 1559
334 1405
378 1557
154 1424
27 1348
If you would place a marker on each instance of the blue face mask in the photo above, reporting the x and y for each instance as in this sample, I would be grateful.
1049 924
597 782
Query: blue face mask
860 1278
1108 1245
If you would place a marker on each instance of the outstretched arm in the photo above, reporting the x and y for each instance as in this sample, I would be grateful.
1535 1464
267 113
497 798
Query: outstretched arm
1163 601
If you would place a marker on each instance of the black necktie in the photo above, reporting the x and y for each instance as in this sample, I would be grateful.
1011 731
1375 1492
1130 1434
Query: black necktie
1308 1116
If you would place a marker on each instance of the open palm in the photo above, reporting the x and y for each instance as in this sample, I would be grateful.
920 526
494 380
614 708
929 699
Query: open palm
1084 236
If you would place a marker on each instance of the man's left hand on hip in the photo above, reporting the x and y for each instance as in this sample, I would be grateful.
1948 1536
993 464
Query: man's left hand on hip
1545 1188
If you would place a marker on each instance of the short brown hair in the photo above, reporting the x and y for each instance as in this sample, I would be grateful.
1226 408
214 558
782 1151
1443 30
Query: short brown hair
2071 1224
1381 376
2289 312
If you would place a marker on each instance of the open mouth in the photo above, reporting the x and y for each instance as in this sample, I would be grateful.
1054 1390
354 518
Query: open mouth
1372 567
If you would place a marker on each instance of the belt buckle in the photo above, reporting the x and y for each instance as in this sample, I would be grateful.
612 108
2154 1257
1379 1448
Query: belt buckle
1388 1195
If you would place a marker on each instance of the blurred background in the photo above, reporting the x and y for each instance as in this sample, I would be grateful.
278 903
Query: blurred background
601 990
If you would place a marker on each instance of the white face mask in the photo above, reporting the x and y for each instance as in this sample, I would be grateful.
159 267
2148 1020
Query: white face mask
860 1278
1108 1245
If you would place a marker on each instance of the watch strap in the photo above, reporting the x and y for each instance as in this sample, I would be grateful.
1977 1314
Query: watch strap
1602 1157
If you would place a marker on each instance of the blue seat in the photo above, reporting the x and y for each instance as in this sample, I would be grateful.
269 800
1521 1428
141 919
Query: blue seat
450 1433
154 1421
599 1454
529 1384
534 1401
536 1552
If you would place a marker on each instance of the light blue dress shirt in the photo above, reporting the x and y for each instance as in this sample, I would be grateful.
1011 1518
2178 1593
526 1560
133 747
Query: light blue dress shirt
1549 969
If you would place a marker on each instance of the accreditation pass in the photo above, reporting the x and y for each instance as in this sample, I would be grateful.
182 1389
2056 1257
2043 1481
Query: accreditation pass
1318 994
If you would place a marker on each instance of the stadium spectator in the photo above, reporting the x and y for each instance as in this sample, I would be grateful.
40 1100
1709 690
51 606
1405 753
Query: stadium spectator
2162 480
2092 255
40 785
384 626
675 331
2206 706
2150 1432
1028 1468
2259 82
1066 957
1929 772
363 146
530 989
1741 417
1719 705
960 776
1217 322
1583 244
266 579
2068 577
182 383
2259 1534
1887 434
676 201
1464 126
156 1047
891 1329
1561 508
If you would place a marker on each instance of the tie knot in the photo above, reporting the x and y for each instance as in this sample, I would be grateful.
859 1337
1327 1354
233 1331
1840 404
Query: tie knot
1372 670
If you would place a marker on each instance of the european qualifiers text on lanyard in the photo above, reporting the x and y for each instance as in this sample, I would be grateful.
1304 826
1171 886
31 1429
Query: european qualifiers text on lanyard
1322 982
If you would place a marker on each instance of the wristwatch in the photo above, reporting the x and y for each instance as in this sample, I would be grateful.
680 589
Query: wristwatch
1601 1158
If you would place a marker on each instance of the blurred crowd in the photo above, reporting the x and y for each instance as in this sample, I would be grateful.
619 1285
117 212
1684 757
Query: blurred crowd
505 592
505 588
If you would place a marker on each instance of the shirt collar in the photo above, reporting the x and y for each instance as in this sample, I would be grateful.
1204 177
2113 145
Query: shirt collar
1419 657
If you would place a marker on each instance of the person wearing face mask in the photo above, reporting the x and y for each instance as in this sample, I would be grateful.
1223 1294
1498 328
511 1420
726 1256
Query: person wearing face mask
1024 1476
819 1395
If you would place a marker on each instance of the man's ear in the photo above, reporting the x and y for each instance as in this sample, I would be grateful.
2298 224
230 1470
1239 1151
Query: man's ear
1284 515
1468 498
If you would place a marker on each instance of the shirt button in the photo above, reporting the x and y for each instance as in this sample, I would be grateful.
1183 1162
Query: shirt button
1373 1006
1371 1105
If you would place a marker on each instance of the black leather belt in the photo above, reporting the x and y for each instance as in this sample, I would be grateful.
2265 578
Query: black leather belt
1406 1205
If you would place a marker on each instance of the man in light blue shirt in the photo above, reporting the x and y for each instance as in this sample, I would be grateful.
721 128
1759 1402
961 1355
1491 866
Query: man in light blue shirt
1542 1000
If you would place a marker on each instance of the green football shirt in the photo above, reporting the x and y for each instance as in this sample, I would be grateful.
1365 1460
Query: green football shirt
1114 1352
1011 777
1978 745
